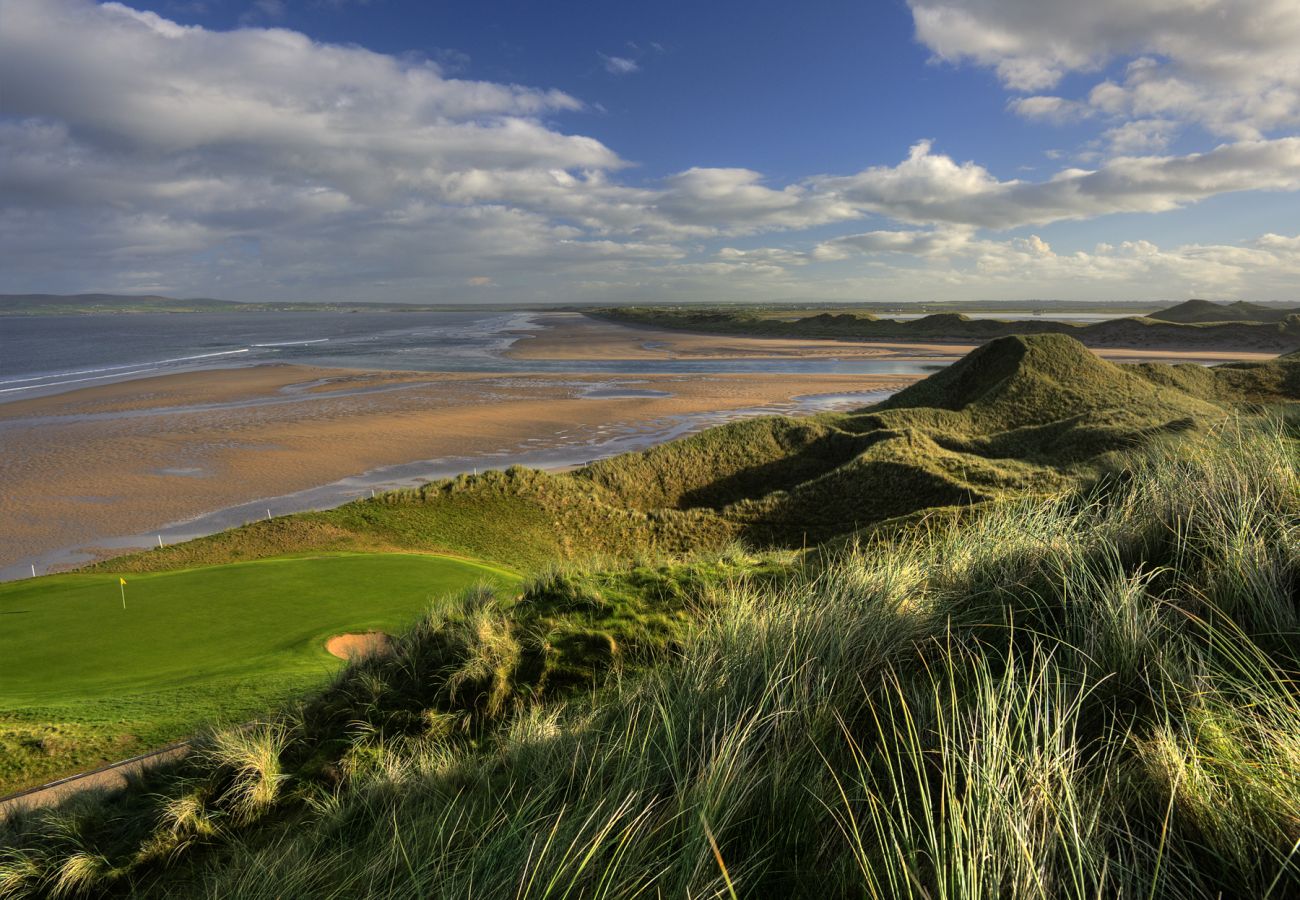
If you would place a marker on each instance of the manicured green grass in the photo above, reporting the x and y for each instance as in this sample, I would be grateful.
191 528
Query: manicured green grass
82 679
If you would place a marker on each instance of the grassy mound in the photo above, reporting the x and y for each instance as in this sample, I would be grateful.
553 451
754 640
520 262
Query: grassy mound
1090 696
520 518
1200 311
1037 414
85 681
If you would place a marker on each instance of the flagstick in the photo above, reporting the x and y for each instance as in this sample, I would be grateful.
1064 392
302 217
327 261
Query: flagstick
123 587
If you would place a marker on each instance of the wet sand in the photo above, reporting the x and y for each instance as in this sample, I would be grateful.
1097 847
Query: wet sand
126 458
87 466
573 336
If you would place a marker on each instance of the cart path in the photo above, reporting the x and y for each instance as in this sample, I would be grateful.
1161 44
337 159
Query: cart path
111 777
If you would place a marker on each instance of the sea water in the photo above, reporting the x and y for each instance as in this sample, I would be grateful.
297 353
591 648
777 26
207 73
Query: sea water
41 355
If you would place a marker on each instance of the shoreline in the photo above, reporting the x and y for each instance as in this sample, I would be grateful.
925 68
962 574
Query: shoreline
190 453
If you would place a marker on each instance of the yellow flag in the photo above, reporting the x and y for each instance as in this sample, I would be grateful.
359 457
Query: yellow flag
122 580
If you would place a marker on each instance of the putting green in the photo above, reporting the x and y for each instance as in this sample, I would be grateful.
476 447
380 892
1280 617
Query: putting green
67 639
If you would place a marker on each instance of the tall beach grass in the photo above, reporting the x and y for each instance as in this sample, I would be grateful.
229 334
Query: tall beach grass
1081 697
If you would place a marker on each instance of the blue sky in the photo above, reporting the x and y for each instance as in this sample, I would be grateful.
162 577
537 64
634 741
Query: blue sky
632 152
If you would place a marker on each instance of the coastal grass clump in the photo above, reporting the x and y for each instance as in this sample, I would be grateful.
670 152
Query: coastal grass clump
1086 695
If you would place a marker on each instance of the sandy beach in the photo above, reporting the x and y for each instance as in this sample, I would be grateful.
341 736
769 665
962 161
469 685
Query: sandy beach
125 458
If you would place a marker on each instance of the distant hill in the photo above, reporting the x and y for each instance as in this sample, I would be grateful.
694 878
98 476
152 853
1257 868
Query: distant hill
72 304
1202 311
1197 324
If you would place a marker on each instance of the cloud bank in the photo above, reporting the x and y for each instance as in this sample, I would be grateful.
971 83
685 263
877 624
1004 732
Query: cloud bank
1229 66
259 163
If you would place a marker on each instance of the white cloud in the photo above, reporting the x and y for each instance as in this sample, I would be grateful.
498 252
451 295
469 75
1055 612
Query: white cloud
1141 136
931 188
1056 110
258 162
1232 66
936 243
955 264
619 65
701 196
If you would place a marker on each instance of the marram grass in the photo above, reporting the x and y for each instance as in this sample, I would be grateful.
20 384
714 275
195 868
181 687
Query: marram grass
1090 696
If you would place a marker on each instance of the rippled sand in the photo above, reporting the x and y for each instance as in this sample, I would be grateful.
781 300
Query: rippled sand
121 459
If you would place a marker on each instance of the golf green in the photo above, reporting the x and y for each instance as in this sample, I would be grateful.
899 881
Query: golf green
68 639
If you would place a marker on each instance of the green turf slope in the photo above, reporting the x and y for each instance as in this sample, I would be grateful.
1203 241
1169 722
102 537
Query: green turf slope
82 679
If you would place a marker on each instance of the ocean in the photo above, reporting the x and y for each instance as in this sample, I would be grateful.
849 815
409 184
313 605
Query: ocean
41 355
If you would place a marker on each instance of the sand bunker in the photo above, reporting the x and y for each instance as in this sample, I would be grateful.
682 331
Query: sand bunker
358 646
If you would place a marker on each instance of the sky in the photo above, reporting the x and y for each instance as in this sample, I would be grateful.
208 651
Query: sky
626 152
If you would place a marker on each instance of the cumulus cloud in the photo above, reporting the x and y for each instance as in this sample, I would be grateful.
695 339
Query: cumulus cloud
935 243
257 162
931 188
1141 136
1045 108
1232 66
703 196
957 264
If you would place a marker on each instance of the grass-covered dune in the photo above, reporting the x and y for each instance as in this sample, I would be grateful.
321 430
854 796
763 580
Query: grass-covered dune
1208 311
1196 324
85 680
1087 696
1037 414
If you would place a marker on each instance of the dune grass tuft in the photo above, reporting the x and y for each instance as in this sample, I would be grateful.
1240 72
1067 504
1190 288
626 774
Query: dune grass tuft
1068 697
